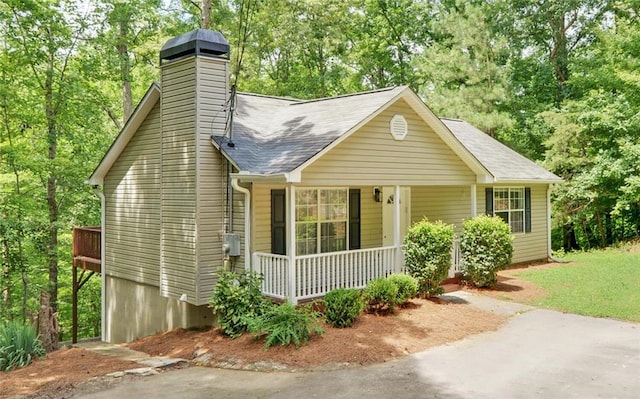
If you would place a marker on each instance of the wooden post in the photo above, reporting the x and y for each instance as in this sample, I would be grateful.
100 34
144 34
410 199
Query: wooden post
74 308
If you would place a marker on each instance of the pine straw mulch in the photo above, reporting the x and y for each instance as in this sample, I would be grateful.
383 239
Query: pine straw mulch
60 372
373 339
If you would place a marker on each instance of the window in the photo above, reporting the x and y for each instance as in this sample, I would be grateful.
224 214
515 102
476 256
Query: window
509 204
321 220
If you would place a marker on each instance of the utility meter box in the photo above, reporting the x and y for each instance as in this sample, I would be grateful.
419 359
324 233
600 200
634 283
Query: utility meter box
231 244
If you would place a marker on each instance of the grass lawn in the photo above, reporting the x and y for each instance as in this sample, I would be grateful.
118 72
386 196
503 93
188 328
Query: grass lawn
603 283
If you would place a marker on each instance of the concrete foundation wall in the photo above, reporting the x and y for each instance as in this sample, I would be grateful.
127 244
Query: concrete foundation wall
135 310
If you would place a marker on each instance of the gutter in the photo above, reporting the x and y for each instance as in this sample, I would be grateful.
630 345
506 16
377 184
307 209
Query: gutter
247 221
103 277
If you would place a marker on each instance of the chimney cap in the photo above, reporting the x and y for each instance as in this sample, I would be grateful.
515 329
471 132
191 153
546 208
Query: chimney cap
196 42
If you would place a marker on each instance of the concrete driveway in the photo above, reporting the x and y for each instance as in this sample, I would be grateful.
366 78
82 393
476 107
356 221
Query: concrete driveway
538 354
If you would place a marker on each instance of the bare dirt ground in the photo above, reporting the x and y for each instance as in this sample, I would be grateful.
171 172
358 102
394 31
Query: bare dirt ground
373 339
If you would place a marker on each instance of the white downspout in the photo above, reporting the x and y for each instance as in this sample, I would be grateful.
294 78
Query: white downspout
103 277
247 221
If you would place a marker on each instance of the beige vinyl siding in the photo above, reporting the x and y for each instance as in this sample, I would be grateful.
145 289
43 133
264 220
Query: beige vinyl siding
179 185
212 92
370 218
261 197
372 156
527 246
132 193
451 204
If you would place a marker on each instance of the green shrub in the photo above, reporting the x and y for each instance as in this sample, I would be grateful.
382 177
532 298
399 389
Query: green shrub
427 254
407 287
236 299
285 325
486 246
19 345
380 294
342 306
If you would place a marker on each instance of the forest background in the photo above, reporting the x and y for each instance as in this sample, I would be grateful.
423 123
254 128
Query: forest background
556 80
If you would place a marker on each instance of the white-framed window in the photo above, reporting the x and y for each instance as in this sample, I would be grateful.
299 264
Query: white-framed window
509 204
321 220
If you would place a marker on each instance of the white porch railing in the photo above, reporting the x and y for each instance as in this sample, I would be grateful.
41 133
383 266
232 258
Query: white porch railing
275 269
317 274
456 259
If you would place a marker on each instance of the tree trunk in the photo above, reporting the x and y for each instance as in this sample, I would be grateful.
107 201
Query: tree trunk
52 186
125 67
206 14
559 52
569 237
47 324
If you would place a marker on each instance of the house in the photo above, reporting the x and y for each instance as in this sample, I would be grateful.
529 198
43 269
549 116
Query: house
189 187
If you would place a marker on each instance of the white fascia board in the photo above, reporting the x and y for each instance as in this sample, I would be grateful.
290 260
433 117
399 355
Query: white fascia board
138 116
248 177
527 181
224 154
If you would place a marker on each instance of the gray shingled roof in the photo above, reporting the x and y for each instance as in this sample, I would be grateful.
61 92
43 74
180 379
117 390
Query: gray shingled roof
501 161
274 135
277 135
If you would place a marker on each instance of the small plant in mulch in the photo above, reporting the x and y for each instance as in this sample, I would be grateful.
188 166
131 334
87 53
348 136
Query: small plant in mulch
407 287
285 325
236 299
380 296
342 307
19 345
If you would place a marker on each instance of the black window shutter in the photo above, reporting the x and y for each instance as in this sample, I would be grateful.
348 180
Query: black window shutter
527 209
354 218
488 200
279 222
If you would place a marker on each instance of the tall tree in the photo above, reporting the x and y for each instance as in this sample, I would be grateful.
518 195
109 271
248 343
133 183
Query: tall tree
466 70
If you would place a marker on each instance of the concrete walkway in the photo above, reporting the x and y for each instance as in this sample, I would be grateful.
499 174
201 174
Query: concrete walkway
149 364
538 354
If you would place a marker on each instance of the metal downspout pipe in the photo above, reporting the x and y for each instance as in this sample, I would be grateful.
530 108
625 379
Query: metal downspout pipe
247 221
103 277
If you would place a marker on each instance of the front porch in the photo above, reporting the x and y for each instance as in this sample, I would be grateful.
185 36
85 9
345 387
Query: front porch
313 276
323 238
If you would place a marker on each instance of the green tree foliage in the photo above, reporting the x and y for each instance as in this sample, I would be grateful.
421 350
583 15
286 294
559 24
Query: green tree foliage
342 307
466 70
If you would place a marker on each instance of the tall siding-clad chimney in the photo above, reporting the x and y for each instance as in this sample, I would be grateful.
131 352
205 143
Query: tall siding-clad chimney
195 89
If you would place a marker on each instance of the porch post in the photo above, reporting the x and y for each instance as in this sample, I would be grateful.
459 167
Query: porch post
474 202
397 240
291 243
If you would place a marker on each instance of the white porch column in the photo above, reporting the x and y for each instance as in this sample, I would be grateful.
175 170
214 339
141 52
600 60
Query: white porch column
291 242
474 202
397 240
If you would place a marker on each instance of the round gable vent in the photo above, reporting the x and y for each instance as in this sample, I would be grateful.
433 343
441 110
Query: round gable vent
398 127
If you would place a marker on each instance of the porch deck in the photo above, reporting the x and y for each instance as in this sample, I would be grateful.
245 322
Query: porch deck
87 254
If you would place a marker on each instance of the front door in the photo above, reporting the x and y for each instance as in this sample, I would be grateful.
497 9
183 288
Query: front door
387 213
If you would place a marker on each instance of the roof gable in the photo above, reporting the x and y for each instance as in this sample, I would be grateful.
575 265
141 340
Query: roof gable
149 100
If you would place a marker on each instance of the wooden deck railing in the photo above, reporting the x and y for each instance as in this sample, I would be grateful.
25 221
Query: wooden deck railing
87 246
